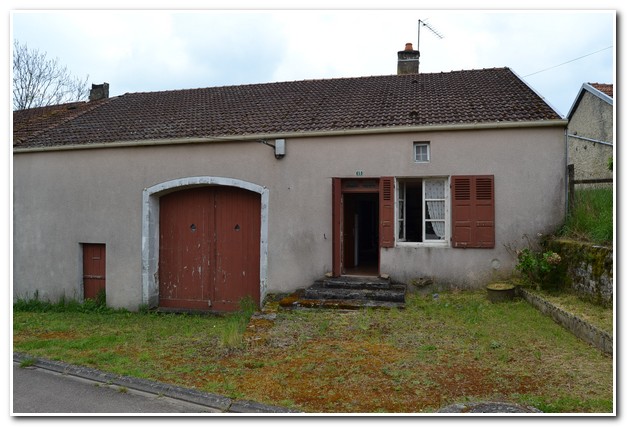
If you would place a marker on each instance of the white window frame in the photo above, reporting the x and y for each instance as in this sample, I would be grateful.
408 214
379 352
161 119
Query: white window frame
401 217
422 144
424 211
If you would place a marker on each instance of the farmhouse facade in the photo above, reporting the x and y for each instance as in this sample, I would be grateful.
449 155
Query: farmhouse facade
196 198
591 131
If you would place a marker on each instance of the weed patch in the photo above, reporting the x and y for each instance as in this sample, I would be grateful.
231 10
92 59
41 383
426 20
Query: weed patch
592 218
438 351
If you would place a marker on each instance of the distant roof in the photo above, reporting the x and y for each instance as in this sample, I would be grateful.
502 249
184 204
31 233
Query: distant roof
604 91
607 89
344 104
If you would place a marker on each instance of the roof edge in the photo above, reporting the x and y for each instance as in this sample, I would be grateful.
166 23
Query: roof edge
538 94
259 137
594 91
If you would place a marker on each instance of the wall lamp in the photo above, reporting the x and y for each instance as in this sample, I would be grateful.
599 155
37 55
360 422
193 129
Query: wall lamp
279 147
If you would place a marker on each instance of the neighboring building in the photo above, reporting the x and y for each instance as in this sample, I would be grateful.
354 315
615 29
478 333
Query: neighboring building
591 131
195 198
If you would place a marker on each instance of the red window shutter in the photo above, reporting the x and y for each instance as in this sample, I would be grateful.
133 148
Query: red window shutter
461 211
386 212
472 211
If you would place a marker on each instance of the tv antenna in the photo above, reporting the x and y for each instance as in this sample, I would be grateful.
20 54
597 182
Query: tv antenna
422 23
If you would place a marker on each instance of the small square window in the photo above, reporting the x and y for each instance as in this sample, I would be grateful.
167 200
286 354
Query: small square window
422 152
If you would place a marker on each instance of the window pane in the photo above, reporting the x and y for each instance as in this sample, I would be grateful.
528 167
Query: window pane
434 230
413 211
421 152
434 189
434 209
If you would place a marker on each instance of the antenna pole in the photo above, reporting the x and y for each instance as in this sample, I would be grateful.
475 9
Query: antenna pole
430 28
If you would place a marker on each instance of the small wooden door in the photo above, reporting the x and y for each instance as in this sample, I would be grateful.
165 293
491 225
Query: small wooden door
94 269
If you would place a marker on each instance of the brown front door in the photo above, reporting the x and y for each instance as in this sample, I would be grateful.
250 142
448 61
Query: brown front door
209 248
94 269
356 211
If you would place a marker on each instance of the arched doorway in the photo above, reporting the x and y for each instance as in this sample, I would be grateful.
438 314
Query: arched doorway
208 248
205 245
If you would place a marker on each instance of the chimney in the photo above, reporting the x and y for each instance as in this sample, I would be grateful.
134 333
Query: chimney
408 60
99 92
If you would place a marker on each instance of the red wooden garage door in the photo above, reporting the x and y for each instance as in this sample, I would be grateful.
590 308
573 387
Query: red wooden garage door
209 248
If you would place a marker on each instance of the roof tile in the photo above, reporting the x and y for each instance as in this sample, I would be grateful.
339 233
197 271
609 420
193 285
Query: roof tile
475 96
607 89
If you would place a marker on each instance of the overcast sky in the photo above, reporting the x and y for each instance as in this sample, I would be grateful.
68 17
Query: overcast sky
137 51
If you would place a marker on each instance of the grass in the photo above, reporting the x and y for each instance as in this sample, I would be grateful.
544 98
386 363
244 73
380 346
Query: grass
597 315
456 348
592 218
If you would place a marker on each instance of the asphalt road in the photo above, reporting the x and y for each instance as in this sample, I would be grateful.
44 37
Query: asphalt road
42 391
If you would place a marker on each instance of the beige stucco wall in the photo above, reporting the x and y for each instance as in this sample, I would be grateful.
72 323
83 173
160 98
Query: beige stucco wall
65 198
593 118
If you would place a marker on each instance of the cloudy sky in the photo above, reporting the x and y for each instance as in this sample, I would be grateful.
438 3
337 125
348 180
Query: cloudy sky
155 50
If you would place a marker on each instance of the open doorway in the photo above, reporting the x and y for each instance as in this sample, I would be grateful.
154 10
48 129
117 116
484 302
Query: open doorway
360 234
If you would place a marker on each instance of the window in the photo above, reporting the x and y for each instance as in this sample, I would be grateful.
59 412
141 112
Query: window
429 210
421 152
422 210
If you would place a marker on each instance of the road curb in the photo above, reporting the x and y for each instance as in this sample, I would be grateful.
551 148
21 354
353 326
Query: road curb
209 400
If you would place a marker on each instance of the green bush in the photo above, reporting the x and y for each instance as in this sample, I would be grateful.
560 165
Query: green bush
538 266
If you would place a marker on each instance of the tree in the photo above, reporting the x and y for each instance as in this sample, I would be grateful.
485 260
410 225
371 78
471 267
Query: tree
39 81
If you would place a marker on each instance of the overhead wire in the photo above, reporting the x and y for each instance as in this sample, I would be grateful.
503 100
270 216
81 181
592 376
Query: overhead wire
568 62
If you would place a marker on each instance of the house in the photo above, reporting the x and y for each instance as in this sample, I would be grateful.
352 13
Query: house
193 199
591 131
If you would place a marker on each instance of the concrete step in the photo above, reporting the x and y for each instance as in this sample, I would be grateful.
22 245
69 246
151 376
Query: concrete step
348 292
318 291
354 282
338 304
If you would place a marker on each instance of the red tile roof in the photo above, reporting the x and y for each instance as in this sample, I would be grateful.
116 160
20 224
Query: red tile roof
607 89
459 97
30 123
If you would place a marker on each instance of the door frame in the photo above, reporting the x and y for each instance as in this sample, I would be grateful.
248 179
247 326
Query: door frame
338 192
150 230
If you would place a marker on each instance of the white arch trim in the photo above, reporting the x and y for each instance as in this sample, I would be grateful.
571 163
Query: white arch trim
150 229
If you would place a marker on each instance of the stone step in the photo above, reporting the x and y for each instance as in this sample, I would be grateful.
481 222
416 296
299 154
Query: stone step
337 304
354 282
348 292
318 291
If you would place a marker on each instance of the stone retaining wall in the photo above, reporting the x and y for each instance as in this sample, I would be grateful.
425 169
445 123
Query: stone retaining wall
578 327
587 270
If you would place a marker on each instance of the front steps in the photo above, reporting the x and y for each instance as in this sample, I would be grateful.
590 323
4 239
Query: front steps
348 292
